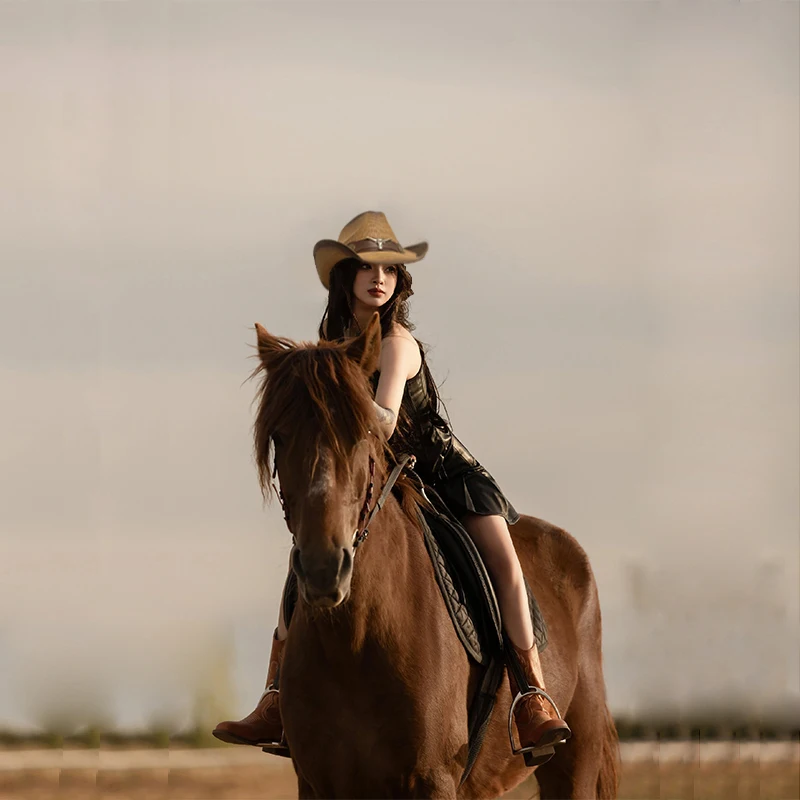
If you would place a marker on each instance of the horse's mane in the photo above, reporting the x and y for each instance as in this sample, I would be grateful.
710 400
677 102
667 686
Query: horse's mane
322 388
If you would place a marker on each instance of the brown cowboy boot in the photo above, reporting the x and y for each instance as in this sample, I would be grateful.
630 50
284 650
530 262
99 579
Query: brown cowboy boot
263 726
538 723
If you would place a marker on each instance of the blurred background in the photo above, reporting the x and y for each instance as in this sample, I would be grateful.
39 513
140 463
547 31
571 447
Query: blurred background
610 193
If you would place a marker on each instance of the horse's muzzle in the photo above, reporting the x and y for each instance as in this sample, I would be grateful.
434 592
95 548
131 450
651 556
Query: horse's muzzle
323 576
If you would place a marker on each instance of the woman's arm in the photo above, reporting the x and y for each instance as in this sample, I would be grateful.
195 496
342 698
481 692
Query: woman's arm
400 360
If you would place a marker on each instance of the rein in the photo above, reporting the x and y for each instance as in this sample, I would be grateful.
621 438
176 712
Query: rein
366 516
359 537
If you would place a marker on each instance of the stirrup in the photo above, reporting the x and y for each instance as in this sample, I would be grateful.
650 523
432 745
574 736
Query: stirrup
277 749
280 748
534 751
269 690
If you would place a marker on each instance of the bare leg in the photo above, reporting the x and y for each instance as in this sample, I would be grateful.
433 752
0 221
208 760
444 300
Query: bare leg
493 540
539 728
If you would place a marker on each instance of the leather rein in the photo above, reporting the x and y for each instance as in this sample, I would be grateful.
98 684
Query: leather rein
366 516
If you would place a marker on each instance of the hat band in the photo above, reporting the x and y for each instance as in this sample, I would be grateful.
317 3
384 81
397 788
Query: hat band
372 245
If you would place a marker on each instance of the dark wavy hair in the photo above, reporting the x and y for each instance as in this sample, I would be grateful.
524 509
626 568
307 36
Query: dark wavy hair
339 312
338 316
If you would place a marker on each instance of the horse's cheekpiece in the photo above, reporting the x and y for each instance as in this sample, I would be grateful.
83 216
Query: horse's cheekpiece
366 516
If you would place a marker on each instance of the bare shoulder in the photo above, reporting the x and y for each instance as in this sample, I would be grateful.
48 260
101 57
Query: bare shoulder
400 344
399 332
401 339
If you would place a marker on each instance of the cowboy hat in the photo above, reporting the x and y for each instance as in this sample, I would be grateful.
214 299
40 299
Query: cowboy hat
368 238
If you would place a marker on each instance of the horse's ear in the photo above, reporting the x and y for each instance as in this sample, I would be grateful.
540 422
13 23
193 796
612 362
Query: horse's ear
269 347
366 349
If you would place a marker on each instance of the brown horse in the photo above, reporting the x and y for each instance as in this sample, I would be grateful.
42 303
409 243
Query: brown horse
375 686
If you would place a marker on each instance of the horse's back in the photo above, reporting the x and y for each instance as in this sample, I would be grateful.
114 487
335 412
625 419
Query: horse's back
553 559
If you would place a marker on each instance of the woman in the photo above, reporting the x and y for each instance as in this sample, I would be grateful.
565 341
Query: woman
364 271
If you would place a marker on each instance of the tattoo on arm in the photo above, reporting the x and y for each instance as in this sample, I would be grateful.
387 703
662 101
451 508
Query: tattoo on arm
386 417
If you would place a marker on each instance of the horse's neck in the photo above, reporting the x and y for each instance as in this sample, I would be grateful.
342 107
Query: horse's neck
383 578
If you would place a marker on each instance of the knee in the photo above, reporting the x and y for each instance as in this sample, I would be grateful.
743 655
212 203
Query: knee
505 570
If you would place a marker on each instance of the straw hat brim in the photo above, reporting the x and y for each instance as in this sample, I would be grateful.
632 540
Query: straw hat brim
328 253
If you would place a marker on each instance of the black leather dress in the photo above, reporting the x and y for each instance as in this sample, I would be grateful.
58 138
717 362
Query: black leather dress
444 463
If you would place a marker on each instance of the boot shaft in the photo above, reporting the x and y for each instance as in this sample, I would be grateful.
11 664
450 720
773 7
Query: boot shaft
275 659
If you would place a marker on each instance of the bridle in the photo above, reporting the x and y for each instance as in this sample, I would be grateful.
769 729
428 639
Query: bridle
366 516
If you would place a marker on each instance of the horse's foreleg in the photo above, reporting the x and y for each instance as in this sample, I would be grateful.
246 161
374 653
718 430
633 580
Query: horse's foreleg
304 789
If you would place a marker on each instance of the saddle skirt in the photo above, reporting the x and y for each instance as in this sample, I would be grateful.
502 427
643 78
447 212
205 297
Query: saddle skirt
466 586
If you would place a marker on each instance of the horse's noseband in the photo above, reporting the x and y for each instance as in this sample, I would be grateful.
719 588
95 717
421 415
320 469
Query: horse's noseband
365 517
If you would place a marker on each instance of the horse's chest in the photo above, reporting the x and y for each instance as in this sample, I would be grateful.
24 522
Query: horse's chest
380 732
364 711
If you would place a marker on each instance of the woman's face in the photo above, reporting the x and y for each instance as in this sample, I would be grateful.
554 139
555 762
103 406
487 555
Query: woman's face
374 284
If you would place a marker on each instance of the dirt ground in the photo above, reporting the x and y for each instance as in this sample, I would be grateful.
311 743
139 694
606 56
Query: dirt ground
743 780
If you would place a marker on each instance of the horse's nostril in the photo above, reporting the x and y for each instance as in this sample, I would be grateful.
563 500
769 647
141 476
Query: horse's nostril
347 561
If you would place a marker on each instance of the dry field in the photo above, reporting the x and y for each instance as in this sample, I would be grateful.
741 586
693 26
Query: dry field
684 771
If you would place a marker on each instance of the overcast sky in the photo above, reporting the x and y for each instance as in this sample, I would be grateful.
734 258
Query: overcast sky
610 193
